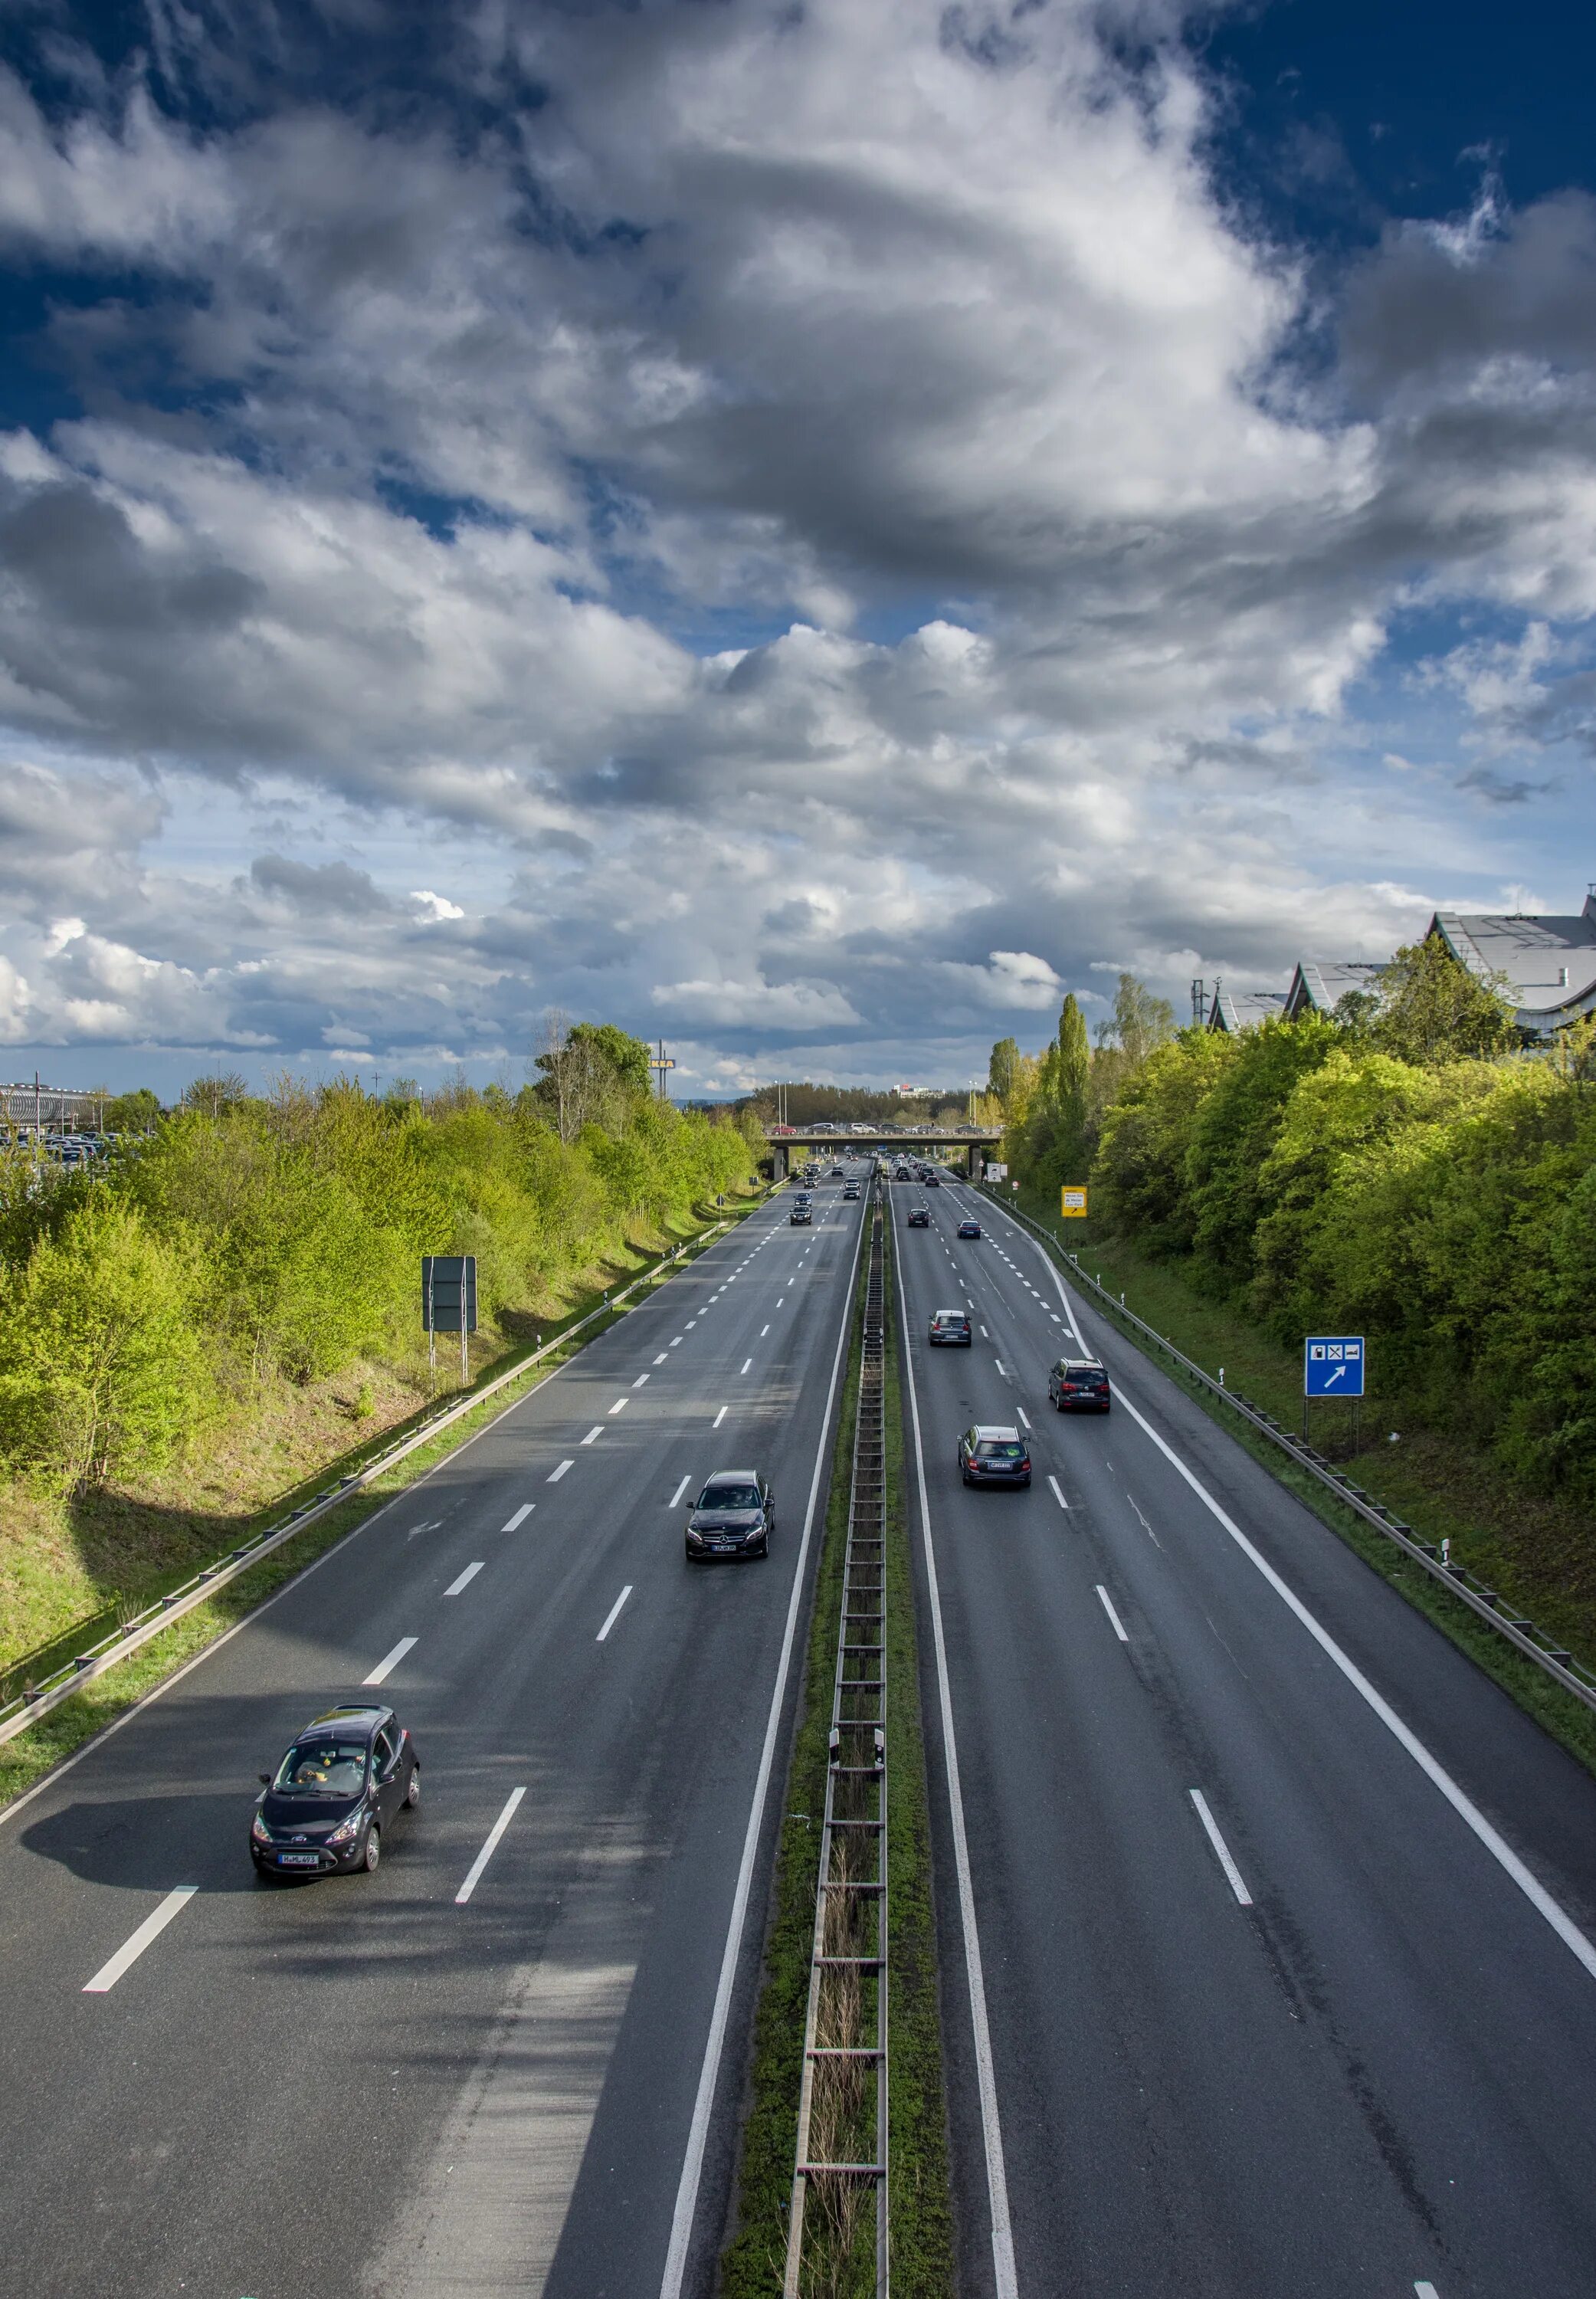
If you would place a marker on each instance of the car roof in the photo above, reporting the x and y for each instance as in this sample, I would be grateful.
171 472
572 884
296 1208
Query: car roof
732 1476
1097 1361
997 1432
952 1313
362 1719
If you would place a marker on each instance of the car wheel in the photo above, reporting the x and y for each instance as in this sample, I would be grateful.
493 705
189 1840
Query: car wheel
1058 1404
412 1794
371 1851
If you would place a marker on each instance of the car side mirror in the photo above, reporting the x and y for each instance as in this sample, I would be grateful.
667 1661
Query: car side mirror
264 1778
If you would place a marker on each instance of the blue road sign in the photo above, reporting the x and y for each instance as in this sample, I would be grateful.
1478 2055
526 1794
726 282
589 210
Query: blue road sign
1333 1365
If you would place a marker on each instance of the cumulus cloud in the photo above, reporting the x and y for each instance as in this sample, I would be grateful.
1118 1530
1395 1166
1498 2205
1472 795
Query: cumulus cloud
816 511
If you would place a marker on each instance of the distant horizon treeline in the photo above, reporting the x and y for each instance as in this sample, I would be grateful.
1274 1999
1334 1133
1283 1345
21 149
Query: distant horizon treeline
1404 1168
254 1238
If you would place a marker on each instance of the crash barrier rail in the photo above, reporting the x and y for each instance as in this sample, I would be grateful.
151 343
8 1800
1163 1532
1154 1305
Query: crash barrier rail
26 1707
842 2115
1544 1650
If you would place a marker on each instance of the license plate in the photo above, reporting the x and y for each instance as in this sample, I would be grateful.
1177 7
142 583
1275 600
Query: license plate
298 1859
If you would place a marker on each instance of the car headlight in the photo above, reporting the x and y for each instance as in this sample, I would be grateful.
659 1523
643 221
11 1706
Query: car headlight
260 1831
347 1829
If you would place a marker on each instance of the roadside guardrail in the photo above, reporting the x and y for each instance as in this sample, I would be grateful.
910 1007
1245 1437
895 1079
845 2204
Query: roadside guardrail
26 1707
1544 1650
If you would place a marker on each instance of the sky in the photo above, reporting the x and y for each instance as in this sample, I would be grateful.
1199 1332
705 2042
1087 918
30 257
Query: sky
807 528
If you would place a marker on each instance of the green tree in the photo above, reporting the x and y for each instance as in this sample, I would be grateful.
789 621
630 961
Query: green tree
222 1089
102 1363
1072 1082
1003 1068
138 1112
1433 1008
1142 1022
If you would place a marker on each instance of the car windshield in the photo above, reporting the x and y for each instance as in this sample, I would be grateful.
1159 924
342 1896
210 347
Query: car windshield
729 1496
993 1449
323 1768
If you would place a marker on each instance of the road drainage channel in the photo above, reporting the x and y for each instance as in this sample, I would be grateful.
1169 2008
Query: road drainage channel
840 2168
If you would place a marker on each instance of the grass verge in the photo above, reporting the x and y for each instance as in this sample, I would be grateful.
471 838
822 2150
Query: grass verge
26 1759
920 2198
1214 1335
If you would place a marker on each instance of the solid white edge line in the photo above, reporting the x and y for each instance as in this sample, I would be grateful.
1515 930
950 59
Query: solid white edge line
997 2186
692 2166
474 1873
520 1517
1058 1493
676 1499
467 1577
134 1947
614 1615
1212 1829
1108 1607
1468 1812
390 1662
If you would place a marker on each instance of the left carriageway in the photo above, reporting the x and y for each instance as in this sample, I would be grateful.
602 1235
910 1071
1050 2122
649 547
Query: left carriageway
369 2085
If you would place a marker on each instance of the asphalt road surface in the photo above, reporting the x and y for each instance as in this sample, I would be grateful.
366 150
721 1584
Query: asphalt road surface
1281 1913
365 2085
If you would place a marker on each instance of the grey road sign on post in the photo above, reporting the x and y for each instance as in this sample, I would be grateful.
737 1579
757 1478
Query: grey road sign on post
1333 1365
448 1292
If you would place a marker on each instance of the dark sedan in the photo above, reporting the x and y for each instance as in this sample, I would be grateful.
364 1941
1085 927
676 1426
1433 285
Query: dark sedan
1079 1385
347 1778
920 1217
802 1213
970 1226
990 1454
949 1329
734 1515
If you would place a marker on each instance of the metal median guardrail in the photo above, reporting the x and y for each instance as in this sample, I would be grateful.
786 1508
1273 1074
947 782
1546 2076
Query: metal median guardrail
1544 1650
26 1707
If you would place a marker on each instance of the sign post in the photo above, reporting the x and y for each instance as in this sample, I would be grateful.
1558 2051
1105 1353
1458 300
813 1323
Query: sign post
660 1063
448 1302
1072 1203
1332 1365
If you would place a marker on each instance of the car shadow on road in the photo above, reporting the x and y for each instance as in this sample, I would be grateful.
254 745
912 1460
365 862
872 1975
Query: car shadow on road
148 1844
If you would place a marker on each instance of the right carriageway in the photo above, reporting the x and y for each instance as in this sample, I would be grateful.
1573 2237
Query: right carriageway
1268 1974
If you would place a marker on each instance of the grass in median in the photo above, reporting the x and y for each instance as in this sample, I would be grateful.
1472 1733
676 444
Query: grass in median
1212 1336
26 1759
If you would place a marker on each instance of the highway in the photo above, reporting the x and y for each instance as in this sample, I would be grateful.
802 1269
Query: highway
372 2085
1277 1914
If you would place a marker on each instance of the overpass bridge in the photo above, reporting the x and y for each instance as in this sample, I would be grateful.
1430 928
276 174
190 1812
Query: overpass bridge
974 1142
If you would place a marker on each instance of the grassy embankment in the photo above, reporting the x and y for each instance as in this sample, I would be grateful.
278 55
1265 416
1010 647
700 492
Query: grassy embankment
1536 1550
919 2202
80 1562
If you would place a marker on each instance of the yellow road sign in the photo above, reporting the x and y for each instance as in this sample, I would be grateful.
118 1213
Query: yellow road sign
1072 1202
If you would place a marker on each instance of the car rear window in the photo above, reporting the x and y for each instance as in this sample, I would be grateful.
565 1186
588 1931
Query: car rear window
991 1448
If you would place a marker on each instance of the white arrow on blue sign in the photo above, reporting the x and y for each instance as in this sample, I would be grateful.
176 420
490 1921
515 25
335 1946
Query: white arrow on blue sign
1333 1365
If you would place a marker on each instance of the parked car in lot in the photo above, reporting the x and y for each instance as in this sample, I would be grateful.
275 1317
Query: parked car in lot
920 1217
991 1453
949 1329
970 1226
734 1515
347 1777
1079 1385
802 1211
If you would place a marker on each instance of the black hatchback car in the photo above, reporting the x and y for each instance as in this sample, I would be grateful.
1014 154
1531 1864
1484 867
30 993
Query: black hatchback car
994 1455
734 1515
348 1776
920 1217
949 1329
1079 1385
